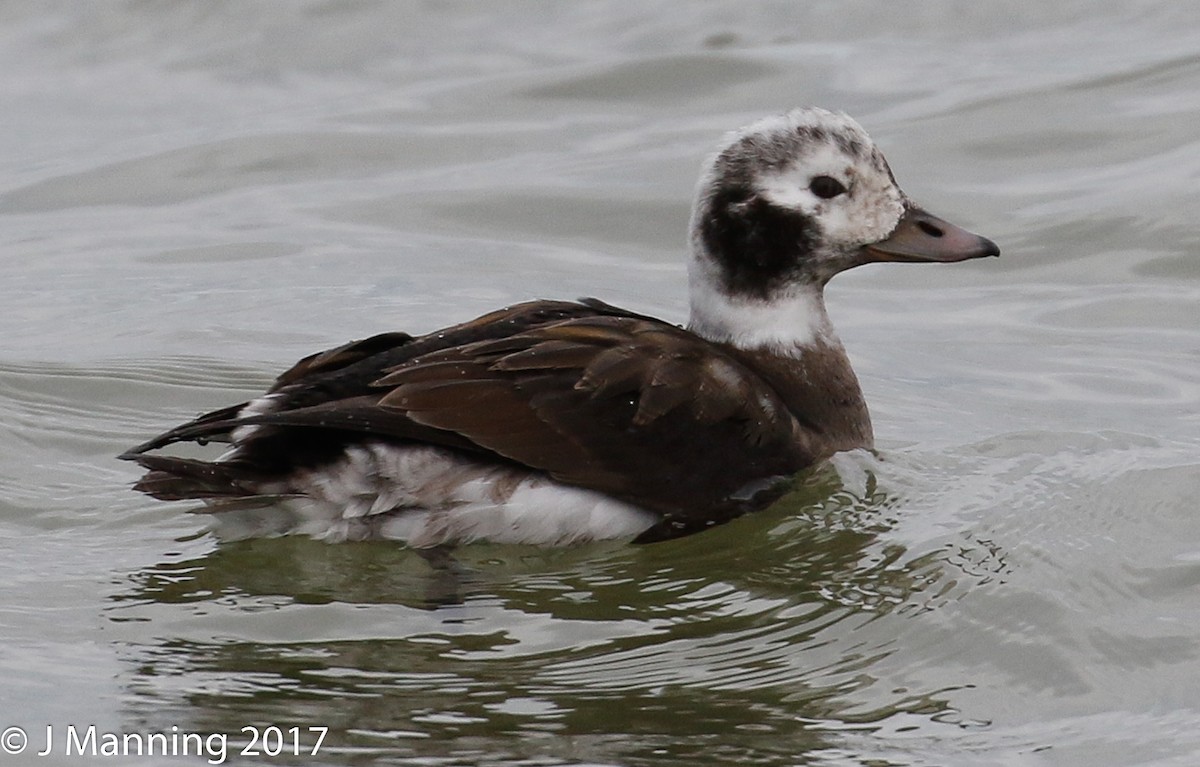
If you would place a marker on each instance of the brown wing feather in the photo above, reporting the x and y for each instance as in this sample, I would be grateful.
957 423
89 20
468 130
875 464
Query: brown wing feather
339 357
629 406
351 370
592 395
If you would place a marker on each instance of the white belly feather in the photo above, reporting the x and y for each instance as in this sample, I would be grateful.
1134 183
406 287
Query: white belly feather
427 496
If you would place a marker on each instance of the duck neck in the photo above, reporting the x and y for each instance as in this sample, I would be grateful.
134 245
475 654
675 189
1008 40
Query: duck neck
789 341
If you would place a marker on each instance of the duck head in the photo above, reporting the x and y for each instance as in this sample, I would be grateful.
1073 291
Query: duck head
787 203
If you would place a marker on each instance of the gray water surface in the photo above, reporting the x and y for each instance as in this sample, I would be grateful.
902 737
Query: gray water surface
194 195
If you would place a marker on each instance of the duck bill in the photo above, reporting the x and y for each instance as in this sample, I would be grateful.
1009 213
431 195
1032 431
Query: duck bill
922 236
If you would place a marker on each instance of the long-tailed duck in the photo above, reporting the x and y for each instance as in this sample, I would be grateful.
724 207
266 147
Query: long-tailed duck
555 422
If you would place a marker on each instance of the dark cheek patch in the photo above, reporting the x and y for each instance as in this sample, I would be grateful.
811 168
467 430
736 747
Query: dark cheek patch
757 244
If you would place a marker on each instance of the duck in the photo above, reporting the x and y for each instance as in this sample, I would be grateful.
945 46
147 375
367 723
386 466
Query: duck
555 422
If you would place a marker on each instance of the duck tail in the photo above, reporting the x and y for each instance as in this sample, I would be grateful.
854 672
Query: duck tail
177 479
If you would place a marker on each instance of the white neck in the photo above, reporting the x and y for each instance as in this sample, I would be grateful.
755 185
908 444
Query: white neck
787 324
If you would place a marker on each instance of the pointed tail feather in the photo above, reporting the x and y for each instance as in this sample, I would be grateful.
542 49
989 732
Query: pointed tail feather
214 426
176 479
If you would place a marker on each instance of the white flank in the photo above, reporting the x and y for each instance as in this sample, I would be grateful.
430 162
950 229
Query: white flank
426 496
256 406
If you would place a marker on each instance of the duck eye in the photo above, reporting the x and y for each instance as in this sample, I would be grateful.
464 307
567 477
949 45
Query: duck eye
826 187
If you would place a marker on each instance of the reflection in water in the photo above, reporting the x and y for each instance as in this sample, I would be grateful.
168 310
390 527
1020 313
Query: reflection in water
689 649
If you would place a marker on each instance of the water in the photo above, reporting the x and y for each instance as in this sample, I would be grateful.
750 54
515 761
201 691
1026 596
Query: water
195 195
